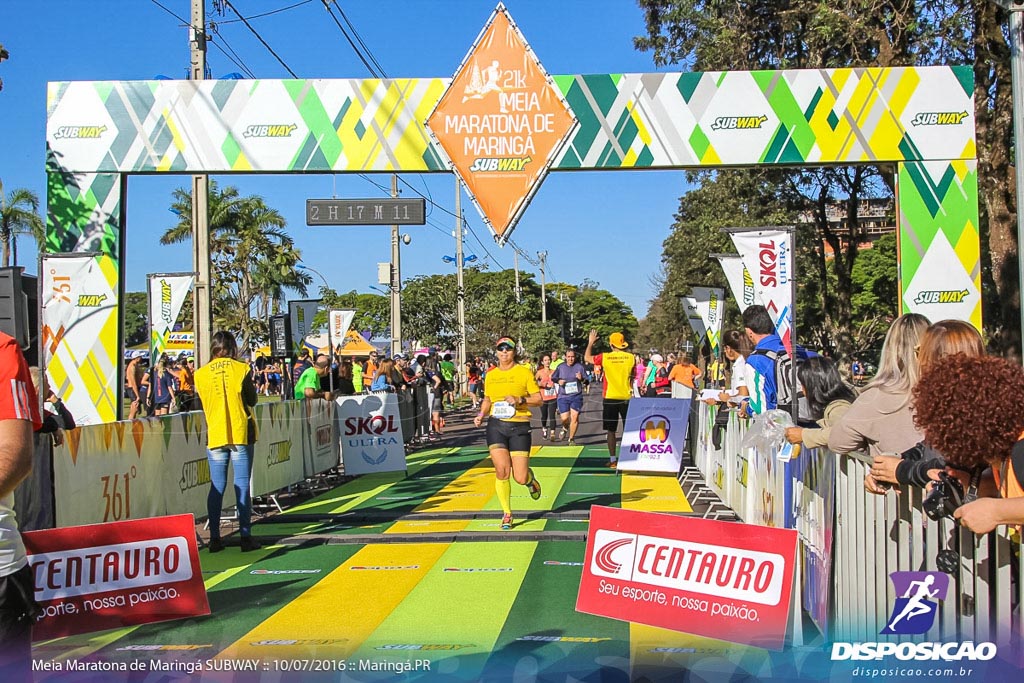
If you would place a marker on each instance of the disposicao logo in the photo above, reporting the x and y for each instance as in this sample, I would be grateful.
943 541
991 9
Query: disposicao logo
915 610
738 122
939 118
282 130
914 614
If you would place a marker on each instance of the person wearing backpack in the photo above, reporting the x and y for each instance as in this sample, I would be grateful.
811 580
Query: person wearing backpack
770 385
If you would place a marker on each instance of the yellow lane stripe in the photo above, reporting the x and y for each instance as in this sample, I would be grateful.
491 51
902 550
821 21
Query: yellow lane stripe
468 492
653 493
347 605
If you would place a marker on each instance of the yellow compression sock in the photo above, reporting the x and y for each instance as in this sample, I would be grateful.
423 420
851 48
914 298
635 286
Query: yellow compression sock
503 487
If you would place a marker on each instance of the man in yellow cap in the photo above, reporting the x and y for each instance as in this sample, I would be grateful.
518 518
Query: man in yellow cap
618 370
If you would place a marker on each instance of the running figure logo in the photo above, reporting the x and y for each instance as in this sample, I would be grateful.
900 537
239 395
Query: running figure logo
916 606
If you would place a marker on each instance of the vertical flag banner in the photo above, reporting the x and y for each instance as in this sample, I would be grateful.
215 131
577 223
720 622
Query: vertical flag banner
768 255
696 322
709 308
340 321
740 282
301 314
502 122
167 294
79 333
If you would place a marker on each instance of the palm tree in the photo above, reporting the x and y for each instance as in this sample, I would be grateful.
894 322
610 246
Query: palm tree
252 258
18 216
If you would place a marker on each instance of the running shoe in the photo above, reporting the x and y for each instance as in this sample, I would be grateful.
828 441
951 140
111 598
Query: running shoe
572 442
506 522
534 486
561 434
613 464
216 545
544 431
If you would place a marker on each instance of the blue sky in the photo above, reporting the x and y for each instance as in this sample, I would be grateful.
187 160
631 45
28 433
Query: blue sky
606 226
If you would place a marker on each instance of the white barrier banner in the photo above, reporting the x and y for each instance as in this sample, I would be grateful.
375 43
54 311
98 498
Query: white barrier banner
740 282
277 455
167 294
710 308
301 314
321 452
370 431
78 328
655 435
768 255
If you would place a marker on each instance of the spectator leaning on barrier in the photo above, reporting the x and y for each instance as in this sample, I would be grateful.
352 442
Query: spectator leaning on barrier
880 420
764 370
961 408
942 339
828 398
56 416
228 393
19 417
309 384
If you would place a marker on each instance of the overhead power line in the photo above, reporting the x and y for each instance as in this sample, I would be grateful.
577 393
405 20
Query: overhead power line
228 4
267 14
376 72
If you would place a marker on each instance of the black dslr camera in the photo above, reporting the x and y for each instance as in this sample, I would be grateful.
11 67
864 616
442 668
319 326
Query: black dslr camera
946 496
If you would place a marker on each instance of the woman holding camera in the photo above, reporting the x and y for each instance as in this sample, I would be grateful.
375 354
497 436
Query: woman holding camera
960 404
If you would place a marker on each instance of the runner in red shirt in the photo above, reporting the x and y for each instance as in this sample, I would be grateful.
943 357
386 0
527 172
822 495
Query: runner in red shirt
19 417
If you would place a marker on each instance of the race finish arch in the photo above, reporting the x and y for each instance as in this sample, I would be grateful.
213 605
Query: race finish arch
501 124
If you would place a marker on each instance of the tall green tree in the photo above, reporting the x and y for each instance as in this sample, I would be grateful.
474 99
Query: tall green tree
373 311
252 259
19 215
4 54
709 35
136 318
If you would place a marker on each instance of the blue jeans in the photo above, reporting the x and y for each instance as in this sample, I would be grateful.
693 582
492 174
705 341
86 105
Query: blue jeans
241 463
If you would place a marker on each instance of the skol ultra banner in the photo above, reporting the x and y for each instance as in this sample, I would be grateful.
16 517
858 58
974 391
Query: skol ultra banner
340 319
79 333
370 430
740 282
103 576
722 580
768 255
301 314
710 308
502 123
655 435
167 294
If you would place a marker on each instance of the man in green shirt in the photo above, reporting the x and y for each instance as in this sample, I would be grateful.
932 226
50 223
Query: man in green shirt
308 385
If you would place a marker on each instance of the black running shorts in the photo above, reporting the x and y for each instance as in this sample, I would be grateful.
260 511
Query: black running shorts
614 409
514 436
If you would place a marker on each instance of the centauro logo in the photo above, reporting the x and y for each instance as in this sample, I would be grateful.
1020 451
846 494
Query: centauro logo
91 300
280 452
280 130
738 122
499 164
422 647
161 648
563 639
79 132
194 473
299 641
938 296
939 118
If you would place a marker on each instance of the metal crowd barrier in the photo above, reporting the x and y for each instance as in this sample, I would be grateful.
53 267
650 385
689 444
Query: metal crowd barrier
852 540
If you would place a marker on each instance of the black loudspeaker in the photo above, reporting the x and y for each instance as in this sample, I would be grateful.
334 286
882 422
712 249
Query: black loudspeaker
280 336
19 316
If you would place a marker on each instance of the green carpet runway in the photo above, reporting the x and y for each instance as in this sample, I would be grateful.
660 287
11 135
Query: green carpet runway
333 588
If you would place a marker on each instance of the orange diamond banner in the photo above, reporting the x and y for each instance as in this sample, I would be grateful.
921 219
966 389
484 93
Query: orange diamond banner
502 121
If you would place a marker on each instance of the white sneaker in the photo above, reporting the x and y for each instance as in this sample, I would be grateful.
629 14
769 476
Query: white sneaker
544 432
561 434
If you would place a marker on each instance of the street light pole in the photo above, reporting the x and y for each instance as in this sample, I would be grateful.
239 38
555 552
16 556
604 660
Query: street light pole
543 256
396 281
202 327
459 284
1014 7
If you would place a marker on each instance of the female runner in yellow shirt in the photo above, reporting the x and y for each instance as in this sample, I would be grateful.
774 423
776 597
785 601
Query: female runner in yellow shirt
509 391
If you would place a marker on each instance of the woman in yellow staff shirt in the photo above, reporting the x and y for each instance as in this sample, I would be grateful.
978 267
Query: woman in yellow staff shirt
509 391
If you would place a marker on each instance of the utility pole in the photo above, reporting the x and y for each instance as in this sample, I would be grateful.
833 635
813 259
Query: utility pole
459 284
543 256
202 319
396 280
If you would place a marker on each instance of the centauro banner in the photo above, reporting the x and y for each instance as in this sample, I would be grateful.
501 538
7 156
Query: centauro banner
768 255
79 333
301 314
167 292
709 306
502 123
740 282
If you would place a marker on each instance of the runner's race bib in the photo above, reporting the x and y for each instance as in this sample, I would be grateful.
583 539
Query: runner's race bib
572 388
502 410
550 391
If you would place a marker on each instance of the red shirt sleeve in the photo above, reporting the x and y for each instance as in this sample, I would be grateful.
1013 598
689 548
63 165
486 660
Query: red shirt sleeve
18 398
598 358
